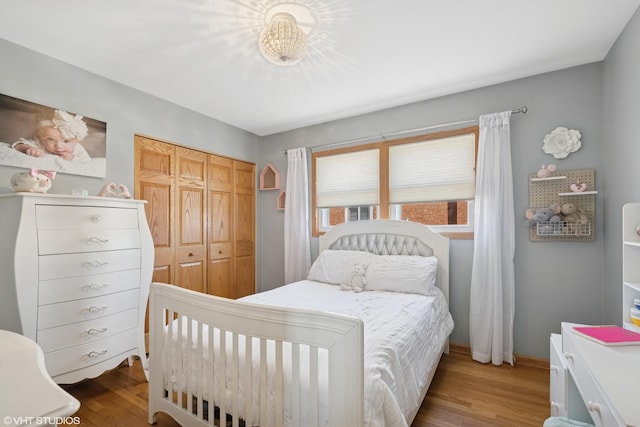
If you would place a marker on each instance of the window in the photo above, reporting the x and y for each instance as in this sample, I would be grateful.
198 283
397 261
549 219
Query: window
428 179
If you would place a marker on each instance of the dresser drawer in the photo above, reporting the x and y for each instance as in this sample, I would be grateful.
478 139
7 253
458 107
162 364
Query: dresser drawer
72 288
70 359
53 339
73 241
64 313
558 385
600 409
84 217
70 265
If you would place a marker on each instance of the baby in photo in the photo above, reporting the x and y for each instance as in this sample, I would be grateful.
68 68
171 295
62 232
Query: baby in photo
59 136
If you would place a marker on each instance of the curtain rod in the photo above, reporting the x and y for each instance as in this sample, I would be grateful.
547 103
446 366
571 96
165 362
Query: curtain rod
523 110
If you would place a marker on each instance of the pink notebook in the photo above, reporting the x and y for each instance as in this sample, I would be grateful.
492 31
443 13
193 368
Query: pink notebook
608 335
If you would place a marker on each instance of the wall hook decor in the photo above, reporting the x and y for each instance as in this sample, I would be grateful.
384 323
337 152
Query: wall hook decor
561 142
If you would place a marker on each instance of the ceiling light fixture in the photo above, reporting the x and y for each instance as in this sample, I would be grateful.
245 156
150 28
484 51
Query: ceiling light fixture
283 42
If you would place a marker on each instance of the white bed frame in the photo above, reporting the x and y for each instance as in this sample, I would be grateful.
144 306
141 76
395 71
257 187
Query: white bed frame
340 336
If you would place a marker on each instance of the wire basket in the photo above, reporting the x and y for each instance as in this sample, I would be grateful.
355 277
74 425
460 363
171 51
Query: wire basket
563 228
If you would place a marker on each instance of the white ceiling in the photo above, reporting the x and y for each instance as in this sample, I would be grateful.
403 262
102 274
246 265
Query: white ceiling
363 56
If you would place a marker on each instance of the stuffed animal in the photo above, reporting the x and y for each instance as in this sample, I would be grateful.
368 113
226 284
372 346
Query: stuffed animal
542 215
358 281
34 181
573 214
546 171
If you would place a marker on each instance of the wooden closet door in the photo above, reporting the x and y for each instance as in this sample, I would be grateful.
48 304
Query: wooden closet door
190 262
245 264
220 236
154 182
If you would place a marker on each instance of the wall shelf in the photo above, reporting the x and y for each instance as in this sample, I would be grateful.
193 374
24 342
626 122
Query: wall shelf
630 262
543 192
269 178
280 201
577 193
535 178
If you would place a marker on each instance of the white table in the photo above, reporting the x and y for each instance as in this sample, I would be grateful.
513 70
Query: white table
591 380
28 395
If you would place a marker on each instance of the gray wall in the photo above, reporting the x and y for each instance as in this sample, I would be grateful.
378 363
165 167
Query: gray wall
28 75
621 154
549 286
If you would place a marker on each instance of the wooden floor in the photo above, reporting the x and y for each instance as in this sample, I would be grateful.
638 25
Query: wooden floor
463 393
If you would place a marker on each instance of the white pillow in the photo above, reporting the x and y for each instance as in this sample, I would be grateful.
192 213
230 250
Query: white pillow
336 266
402 273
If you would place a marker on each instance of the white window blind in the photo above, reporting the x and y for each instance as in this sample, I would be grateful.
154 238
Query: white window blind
348 179
433 170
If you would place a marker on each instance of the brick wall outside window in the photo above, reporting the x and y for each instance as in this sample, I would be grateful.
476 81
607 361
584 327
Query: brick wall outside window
424 213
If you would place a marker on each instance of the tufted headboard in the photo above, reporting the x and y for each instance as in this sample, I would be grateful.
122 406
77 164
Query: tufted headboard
390 237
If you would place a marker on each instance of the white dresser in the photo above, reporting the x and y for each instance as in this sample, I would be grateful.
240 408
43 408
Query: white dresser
74 277
592 382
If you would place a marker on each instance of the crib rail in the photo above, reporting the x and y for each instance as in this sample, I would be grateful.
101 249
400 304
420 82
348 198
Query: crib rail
215 361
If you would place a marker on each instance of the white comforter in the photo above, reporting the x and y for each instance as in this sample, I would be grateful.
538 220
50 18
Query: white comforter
403 337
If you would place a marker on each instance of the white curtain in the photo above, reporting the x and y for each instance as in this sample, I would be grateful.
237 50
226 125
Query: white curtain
297 240
492 298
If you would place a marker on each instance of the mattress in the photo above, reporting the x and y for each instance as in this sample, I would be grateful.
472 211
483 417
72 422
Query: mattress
403 337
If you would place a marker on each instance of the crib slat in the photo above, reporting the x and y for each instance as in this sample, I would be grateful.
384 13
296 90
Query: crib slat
199 372
279 409
180 383
234 382
212 376
263 382
294 391
189 356
222 368
248 378
313 386
172 361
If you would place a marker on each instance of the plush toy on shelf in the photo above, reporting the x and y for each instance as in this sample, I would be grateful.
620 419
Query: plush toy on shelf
546 220
546 171
537 216
573 214
578 186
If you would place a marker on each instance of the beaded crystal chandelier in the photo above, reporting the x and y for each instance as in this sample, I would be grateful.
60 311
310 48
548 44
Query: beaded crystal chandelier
282 42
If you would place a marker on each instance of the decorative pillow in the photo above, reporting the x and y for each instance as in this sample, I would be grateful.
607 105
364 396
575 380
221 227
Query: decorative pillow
336 266
402 273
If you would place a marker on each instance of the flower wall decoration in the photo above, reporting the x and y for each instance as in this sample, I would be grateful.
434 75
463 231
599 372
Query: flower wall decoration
561 142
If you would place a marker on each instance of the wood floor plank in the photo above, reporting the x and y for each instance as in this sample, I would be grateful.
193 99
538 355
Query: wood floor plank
463 393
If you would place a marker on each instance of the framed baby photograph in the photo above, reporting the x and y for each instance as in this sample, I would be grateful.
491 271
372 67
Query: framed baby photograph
42 137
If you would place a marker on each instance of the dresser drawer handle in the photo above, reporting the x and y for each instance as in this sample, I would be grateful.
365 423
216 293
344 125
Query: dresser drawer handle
94 331
569 356
93 309
94 218
98 240
593 406
95 264
94 354
94 286
554 368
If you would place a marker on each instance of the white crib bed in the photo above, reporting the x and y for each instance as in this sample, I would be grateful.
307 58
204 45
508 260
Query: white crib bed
305 354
